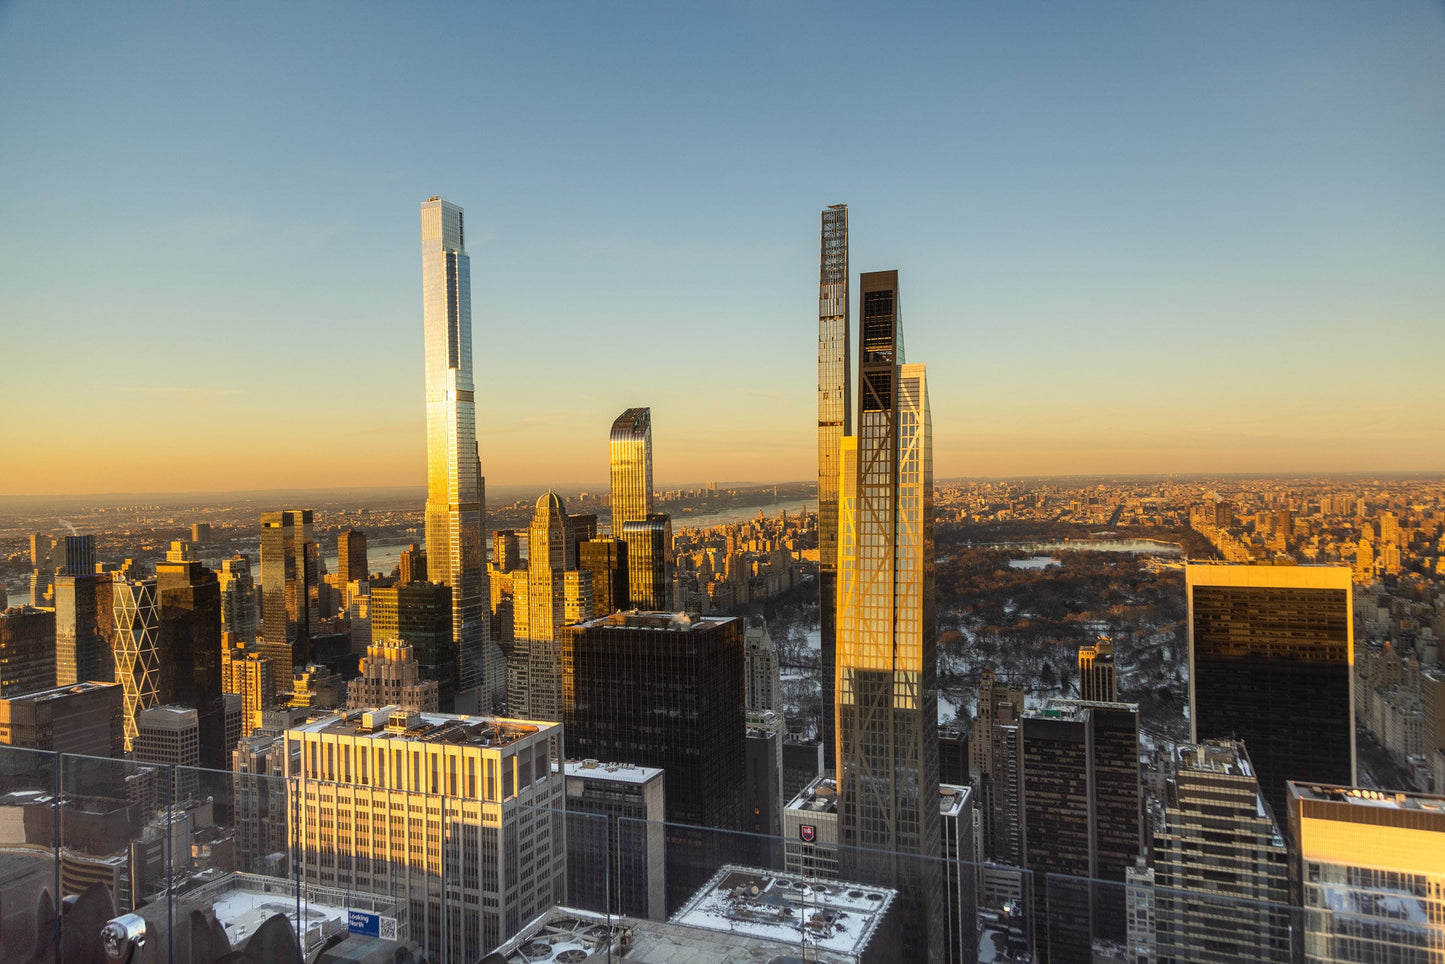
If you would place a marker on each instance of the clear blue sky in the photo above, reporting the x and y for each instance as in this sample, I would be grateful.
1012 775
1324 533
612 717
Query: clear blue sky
1132 237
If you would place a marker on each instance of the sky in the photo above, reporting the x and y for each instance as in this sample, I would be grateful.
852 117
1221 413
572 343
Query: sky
1132 237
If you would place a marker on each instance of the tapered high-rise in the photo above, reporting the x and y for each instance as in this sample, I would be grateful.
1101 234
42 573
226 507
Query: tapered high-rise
834 422
455 502
887 695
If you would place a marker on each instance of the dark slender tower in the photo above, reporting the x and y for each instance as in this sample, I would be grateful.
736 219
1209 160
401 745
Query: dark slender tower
887 689
834 422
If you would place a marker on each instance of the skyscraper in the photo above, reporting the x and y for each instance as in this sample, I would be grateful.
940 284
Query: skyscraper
27 650
351 556
461 817
238 598
1081 820
1097 679
834 422
551 594
420 613
290 593
1369 873
190 665
648 578
83 617
887 695
456 499
1221 865
665 690
606 559
137 648
630 455
1271 651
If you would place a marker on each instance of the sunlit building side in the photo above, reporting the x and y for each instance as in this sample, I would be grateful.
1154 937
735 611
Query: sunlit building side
887 697
456 498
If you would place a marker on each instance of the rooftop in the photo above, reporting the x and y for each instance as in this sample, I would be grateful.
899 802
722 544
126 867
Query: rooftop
564 934
675 622
1359 797
619 772
835 916
60 692
394 723
952 799
1215 756
819 796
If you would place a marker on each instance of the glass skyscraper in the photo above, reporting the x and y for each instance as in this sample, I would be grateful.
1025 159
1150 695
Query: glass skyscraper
290 590
887 691
1271 655
630 454
834 422
455 500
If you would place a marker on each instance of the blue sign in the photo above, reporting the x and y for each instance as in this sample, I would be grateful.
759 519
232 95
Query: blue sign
371 925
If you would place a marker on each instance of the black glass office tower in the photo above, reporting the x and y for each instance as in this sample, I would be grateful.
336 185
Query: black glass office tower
666 690
1270 656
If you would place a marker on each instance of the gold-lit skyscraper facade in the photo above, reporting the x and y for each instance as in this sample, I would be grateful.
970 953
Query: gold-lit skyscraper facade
834 422
887 696
630 455
455 502
1369 873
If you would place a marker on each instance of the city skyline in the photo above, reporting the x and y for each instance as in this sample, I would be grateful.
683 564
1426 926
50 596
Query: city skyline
1147 241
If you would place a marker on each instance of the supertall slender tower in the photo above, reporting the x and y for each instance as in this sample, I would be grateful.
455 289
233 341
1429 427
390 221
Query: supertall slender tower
834 422
887 690
455 500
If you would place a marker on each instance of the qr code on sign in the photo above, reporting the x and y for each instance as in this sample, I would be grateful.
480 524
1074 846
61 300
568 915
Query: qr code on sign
388 928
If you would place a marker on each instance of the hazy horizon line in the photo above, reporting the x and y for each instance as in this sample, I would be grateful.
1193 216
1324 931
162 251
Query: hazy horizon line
603 485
